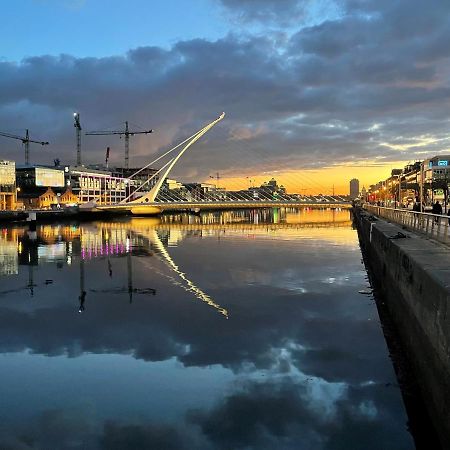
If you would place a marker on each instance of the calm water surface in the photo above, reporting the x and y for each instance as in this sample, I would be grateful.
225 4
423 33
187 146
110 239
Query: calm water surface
230 330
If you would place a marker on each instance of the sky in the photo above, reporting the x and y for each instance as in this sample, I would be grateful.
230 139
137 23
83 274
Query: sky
316 92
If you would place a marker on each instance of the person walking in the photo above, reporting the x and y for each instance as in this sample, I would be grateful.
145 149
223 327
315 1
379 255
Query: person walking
437 209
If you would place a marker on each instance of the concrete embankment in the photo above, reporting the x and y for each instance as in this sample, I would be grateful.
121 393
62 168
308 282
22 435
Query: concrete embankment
40 215
413 275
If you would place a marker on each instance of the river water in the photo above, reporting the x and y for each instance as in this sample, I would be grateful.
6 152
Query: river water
229 330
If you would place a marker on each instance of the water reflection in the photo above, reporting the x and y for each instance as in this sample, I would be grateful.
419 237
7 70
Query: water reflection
61 243
300 363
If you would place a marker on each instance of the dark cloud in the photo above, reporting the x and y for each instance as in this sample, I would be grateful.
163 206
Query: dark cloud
53 428
129 437
264 415
80 429
277 414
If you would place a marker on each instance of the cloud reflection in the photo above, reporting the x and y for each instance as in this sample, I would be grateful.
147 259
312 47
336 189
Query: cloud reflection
300 378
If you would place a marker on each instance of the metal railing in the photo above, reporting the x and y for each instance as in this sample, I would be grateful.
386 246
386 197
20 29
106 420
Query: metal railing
435 226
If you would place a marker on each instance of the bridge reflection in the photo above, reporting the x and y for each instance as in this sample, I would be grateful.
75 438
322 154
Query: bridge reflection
146 237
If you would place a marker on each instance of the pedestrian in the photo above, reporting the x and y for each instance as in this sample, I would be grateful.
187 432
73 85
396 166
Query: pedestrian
437 209
448 214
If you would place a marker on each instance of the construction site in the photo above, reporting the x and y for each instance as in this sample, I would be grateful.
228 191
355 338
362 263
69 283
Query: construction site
45 187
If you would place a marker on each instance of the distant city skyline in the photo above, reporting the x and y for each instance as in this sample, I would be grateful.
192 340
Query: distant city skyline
317 88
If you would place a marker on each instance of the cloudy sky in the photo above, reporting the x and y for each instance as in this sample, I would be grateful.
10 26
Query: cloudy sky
316 92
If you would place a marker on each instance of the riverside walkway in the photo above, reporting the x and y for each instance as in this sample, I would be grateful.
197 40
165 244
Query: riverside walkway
434 226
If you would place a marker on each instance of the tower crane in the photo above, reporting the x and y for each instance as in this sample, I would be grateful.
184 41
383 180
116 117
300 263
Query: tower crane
77 125
216 177
127 133
25 141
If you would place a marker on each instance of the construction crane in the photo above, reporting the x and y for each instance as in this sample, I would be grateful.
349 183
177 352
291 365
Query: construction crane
77 126
127 133
216 177
25 141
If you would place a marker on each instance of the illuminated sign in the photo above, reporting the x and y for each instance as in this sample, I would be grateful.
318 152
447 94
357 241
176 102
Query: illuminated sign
49 177
442 163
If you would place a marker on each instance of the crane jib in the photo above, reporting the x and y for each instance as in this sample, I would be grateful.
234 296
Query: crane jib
25 141
126 132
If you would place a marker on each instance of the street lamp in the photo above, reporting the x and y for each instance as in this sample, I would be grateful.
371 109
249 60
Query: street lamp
421 186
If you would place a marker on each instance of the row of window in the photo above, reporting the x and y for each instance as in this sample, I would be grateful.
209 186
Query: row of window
440 171
101 183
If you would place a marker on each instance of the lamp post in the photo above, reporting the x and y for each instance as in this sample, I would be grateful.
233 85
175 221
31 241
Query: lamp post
421 187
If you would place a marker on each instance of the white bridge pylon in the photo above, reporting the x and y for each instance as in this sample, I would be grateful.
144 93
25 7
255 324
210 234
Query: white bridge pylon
150 196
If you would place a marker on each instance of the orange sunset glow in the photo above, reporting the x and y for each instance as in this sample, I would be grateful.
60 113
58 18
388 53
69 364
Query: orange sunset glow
315 181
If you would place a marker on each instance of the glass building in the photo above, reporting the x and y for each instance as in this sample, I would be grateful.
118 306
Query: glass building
7 185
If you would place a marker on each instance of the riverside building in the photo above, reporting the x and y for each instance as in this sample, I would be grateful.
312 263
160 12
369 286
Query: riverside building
91 185
436 178
39 186
7 185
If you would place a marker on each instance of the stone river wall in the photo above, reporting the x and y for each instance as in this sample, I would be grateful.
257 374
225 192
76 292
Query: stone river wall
413 274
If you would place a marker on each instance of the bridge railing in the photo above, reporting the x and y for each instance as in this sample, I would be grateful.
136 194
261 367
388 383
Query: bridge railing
435 226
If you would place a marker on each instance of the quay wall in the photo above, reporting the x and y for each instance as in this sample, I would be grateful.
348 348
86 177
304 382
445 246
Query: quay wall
413 275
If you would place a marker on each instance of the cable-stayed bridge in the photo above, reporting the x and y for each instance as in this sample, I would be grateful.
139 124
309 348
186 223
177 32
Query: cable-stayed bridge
159 199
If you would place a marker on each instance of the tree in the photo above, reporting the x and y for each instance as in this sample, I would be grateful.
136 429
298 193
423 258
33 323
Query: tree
442 183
